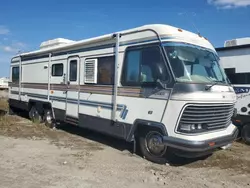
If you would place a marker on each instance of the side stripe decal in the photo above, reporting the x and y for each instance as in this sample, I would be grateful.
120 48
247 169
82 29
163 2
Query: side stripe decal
120 107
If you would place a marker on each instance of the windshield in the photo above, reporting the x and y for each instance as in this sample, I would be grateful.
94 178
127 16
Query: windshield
194 64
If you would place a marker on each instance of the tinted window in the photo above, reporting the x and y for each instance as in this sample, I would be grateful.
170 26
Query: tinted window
106 70
133 66
15 74
57 69
237 78
144 66
73 71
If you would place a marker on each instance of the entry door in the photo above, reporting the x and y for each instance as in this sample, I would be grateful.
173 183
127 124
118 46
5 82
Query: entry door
72 87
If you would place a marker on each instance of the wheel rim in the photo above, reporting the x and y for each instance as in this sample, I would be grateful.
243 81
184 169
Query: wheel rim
48 118
154 144
34 114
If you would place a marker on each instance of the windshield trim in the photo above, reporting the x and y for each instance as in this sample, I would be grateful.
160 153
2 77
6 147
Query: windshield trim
170 43
181 43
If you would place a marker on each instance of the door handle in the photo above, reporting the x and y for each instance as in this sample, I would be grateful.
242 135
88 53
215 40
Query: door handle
65 92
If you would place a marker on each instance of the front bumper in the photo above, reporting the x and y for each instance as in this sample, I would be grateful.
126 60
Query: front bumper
199 147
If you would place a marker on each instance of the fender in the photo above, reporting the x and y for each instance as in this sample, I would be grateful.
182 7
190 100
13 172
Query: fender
147 123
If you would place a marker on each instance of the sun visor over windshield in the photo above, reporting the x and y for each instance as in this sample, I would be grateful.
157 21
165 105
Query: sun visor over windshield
205 62
185 55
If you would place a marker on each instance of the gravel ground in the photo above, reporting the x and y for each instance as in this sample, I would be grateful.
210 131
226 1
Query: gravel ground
34 156
3 94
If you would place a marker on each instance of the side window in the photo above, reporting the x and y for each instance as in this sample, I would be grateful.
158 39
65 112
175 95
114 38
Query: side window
230 72
143 67
73 70
15 74
57 69
133 66
105 74
99 70
239 78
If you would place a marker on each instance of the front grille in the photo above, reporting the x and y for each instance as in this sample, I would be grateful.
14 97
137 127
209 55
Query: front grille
213 116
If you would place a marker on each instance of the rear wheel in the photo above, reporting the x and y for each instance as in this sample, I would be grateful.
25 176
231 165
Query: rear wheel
152 148
12 110
48 119
245 134
34 115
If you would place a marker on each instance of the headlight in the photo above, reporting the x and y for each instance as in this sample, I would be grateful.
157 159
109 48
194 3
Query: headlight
192 128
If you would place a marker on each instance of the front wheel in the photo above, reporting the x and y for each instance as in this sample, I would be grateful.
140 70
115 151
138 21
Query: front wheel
245 133
152 148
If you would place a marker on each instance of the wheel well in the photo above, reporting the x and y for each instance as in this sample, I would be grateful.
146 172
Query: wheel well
140 128
31 103
41 106
46 106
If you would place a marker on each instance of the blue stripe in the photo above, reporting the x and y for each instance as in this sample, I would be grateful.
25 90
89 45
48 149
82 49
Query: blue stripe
120 107
73 101
124 114
151 40
100 47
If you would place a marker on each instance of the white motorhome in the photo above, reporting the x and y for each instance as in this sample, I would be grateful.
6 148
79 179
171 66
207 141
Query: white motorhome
235 59
4 83
156 84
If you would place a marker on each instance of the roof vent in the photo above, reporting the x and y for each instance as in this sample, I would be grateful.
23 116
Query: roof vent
237 42
55 42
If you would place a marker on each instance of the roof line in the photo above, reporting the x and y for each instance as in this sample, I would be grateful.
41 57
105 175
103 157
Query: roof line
233 47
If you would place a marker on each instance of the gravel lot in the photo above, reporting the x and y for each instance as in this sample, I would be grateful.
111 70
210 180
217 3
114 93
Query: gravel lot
34 156
3 94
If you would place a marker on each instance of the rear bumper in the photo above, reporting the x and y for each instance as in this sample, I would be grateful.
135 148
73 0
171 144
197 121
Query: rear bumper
205 146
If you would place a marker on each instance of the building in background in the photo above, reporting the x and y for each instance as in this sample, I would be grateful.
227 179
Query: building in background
4 83
235 59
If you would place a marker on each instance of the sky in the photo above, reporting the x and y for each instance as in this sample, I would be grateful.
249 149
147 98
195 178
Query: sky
25 24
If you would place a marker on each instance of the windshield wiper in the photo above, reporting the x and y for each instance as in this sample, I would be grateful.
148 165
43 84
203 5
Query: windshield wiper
215 83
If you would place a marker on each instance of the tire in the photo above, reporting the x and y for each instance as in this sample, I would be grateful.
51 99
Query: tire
12 111
34 115
48 119
245 134
146 141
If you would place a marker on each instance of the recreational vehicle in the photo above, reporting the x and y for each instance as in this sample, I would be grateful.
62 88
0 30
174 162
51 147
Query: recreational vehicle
157 86
235 59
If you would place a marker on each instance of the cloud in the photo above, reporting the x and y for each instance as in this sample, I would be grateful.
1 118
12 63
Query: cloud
229 4
9 49
12 47
187 13
20 44
4 30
